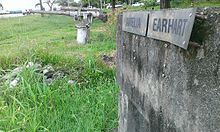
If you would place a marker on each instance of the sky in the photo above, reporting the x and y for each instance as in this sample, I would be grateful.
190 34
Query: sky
19 4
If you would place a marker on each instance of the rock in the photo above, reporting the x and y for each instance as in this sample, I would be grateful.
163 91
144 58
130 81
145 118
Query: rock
13 73
14 83
30 64
48 71
49 68
45 71
71 82
37 67
49 81
59 74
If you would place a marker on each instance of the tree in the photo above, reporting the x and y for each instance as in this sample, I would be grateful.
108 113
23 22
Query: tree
67 3
164 4
1 6
41 6
94 3
63 2
150 3
50 3
176 3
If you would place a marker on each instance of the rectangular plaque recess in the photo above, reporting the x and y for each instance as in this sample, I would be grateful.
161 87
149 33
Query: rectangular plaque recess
135 22
174 26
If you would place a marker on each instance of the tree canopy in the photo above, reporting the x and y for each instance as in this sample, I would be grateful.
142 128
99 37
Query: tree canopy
67 3
50 3
62 2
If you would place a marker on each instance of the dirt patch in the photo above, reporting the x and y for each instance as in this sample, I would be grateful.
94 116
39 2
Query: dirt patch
100 29
109 59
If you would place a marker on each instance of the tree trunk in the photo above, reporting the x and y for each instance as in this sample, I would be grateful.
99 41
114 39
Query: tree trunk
1 7
51 5
101 4
127 2
113 6
130 2
164 4
41 8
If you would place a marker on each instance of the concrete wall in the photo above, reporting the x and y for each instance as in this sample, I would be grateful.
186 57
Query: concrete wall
168 89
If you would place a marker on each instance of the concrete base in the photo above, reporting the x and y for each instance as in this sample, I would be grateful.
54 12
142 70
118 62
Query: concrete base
83 35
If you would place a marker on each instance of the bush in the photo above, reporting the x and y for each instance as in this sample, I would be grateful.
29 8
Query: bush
150 3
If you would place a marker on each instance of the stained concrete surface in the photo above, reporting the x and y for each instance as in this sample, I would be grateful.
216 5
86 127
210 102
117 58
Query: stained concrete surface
168 89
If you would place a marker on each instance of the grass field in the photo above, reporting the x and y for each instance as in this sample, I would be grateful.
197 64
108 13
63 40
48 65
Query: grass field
89 105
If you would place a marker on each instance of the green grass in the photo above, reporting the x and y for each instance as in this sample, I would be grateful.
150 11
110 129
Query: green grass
90 105
188 4
180 4
87 106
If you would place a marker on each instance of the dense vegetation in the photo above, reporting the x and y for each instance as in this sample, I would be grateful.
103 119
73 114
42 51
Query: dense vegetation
89 104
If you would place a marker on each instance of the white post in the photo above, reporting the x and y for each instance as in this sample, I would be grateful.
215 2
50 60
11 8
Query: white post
82 33
85 16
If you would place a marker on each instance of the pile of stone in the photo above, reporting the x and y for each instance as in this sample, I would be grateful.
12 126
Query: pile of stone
12 78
